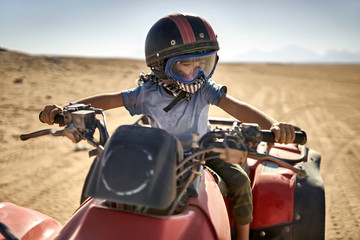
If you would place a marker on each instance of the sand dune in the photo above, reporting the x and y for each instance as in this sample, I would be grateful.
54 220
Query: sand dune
46 174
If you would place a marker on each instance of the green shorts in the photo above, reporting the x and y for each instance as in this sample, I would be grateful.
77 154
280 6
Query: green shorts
238 189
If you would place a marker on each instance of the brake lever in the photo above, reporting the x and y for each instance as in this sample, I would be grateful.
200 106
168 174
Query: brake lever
40 133
69 131
263 157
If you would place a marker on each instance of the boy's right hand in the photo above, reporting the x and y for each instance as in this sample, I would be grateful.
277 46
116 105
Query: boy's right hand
49 113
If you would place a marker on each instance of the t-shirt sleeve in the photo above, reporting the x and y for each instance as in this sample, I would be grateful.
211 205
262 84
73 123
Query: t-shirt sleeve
131 100
213 92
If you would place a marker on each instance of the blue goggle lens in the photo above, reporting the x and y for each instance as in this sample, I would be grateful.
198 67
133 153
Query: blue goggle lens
188 68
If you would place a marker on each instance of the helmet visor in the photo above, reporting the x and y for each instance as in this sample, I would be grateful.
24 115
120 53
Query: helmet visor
188 68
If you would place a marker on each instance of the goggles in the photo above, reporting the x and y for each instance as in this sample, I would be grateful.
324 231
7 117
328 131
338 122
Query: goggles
188 68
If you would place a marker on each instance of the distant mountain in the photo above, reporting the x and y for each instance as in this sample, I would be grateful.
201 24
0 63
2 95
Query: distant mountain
341 56
297 54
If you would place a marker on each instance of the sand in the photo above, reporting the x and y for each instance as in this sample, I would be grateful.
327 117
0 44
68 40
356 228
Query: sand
46 174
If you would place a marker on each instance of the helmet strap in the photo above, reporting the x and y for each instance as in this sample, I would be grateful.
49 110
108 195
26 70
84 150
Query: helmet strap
175 101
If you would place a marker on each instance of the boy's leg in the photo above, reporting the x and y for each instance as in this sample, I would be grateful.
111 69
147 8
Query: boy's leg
239 192
242 232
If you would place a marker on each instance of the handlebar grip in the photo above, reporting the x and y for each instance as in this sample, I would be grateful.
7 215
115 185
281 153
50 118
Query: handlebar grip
59 119
268 136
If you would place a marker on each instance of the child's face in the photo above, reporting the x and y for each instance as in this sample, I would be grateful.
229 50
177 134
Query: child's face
186 68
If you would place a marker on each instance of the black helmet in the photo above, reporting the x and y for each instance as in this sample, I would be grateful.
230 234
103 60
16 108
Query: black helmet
178 34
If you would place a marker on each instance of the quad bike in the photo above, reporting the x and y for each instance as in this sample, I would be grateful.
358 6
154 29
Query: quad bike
143 186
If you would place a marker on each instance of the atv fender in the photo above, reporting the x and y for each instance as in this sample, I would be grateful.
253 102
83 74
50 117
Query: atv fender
28 224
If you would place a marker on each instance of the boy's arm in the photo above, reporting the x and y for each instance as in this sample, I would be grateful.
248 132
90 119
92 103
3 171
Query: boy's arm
284 132
245 112
104 101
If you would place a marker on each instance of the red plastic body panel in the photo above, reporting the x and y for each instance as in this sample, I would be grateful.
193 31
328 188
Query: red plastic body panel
273 189
211 201
94 220
285 151
28 224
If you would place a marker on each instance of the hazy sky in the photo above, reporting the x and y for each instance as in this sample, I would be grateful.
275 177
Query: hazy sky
110 28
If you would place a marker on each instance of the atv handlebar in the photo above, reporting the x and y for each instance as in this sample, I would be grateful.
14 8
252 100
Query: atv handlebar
80 123
268 136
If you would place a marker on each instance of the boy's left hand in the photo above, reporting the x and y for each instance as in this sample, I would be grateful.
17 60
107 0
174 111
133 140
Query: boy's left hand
284 132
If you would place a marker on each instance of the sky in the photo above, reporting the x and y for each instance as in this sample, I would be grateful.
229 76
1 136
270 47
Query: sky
247 30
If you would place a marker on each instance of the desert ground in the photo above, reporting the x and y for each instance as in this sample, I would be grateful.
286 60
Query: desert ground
46 174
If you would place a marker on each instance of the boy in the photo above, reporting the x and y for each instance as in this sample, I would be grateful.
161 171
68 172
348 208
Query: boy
181 51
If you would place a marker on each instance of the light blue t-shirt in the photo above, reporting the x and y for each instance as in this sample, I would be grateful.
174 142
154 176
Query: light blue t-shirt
185 118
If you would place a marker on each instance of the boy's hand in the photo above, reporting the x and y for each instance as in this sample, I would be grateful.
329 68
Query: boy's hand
49 113
284 132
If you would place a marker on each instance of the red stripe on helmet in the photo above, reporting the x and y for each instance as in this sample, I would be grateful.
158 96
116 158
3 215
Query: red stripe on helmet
184 27
209 29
